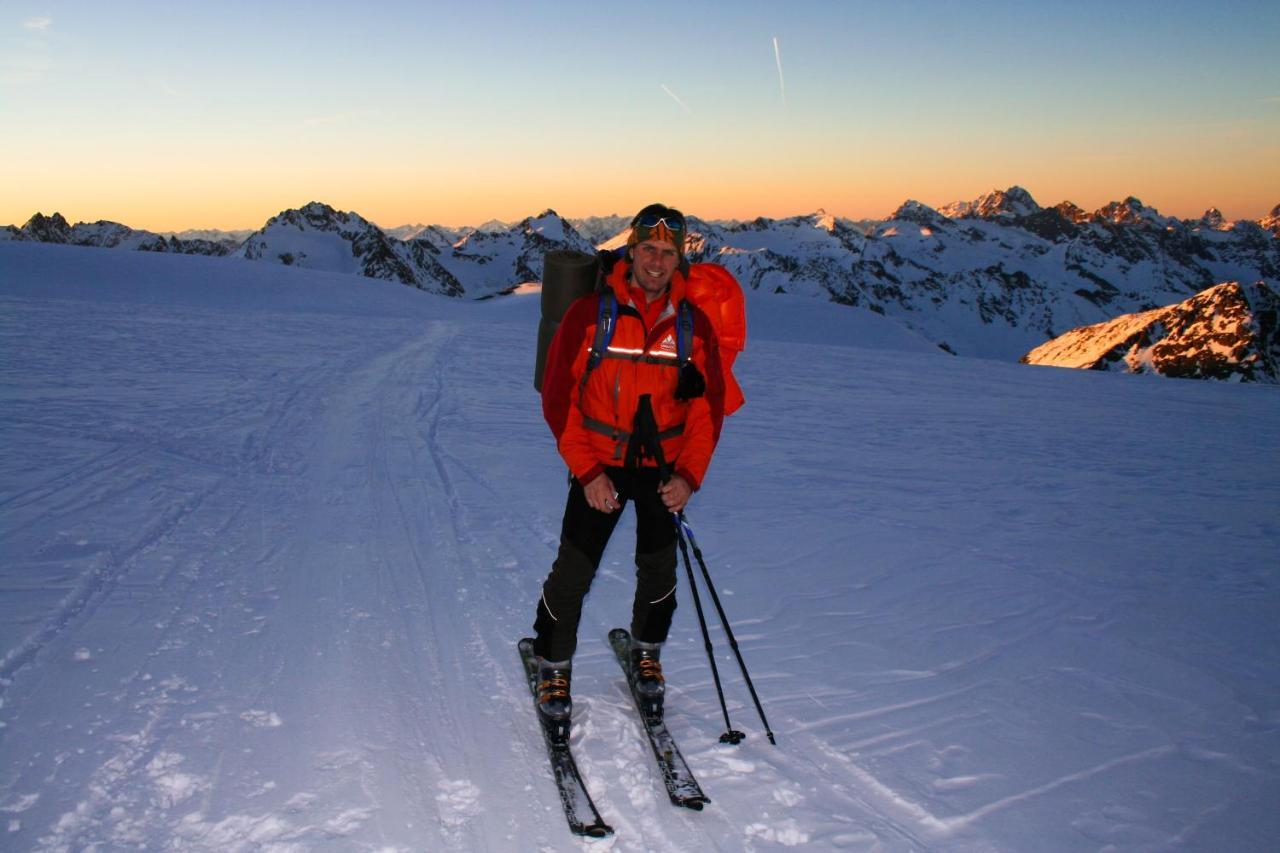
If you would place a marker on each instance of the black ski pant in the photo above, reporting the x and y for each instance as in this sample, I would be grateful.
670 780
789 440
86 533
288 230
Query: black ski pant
583 536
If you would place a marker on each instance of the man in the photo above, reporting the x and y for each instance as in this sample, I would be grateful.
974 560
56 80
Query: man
591 403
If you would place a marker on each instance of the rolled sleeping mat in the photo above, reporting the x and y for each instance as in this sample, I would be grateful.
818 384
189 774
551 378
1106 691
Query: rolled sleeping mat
566 277
546 331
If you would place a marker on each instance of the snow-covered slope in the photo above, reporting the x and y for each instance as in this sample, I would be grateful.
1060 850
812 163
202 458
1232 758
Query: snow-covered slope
1230 331
270 535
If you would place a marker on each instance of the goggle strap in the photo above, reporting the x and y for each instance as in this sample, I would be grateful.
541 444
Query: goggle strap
653 221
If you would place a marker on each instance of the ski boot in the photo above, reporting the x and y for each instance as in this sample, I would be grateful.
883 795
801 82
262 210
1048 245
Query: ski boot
554 703
646 677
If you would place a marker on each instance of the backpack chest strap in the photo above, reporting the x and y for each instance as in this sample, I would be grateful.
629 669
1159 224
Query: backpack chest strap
621 436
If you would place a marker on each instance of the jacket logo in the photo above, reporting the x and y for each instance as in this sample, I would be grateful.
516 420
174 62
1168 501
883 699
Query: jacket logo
668 345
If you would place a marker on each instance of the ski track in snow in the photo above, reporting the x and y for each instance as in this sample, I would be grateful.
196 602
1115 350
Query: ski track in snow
267 556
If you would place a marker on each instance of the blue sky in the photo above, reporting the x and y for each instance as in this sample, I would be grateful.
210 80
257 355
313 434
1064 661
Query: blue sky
169 116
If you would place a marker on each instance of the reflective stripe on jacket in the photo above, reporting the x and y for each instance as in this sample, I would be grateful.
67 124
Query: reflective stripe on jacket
591 420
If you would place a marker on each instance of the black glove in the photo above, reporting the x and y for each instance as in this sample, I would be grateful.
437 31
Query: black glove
692 384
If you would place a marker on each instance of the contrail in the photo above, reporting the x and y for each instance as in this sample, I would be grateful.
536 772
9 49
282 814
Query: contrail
676 98
782 84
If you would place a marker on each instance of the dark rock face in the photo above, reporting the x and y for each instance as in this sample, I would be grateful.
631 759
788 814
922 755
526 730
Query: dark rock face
1271 222
47 229
109 235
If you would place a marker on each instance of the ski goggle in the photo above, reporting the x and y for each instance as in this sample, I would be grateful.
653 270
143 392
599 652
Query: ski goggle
653 220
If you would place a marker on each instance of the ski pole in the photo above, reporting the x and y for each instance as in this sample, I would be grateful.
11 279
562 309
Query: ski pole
686 530
644 442
730 736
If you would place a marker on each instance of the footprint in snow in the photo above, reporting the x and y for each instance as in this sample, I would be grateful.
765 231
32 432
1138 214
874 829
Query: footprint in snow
785 832
262 719
459 802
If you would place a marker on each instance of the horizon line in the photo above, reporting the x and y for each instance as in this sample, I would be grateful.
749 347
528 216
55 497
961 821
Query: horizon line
820 210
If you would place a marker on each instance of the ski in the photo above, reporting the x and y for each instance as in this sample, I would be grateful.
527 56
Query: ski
573 791
682 788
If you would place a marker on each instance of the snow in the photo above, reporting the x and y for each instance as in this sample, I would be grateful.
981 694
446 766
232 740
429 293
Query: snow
270 536
310 249
1084 346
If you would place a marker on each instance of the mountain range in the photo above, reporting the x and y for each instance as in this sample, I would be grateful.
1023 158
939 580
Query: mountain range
994 277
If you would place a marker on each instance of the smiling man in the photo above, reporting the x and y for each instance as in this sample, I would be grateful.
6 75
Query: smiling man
637 348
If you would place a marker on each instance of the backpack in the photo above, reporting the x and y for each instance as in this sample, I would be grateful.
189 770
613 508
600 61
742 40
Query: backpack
569 275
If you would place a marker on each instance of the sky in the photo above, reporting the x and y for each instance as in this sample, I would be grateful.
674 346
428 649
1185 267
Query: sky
168 116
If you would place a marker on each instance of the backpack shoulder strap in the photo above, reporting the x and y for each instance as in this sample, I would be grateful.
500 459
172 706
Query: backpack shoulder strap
606 324
684 332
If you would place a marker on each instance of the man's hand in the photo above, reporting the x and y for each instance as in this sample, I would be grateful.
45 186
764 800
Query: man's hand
676 493
601 495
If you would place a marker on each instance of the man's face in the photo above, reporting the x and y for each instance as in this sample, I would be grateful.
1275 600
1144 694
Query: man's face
655 261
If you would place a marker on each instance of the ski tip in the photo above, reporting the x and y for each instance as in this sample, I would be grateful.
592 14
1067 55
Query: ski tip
619 633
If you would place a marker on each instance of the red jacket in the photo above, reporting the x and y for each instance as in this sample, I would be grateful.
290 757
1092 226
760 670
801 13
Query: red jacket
592 420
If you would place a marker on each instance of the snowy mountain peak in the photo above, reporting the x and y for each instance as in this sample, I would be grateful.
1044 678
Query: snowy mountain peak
316 236
1013 203
956 209
1271 221
1212 218
1072 212
919 214
321 217
549 225
1229 331
598 229
1010 203
1131 211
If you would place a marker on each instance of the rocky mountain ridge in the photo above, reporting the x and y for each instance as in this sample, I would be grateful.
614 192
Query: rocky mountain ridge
1001 275
1230 332
479 263
110 235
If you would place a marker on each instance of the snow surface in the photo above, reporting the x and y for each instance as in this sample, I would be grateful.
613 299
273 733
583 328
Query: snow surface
270 536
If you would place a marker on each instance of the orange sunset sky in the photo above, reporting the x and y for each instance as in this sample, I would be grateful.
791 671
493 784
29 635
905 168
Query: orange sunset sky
166 118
